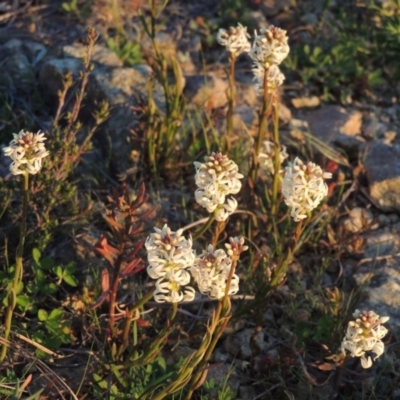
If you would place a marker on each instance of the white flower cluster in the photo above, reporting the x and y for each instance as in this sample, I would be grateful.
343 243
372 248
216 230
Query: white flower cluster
170 255
216 178
26 151
365 334
267 154
212 267
236 40
269 49
303 187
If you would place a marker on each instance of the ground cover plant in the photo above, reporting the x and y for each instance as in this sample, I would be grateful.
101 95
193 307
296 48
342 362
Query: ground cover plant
211 251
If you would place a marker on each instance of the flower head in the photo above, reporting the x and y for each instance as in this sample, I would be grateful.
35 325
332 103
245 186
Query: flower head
236 40
303 187
170 255
267 154
364 335
216 178
270 47
211 270
275 78
26 151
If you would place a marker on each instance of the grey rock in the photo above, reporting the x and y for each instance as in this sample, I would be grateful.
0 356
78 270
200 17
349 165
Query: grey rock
13 45
207 91
335 125
52 72
359 219
101 55
19 67
381 274
372 128
382 166
35 51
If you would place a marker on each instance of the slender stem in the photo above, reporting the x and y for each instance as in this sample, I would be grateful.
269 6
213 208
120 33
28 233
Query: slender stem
262 127
231 98
277 160
129 319
221 319
18 272
201 230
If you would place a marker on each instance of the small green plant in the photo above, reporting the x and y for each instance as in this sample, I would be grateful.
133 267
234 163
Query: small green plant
127 51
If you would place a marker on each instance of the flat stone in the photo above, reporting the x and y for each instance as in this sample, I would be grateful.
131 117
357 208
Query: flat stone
207 91
306 102
382 276
101 54
382 166
335 125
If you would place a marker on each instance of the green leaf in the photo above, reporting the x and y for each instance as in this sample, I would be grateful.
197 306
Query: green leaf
36 255
71 280
42 315
102 383
56 314
23 301
59 271
47 263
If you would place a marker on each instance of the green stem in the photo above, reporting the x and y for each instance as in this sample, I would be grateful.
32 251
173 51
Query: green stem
202 229
262 127
277 160
231 98
18 272
128 321
221 319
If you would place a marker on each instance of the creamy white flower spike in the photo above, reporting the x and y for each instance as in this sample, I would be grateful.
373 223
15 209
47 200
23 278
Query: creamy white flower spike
26 151
275 78
270 47
170 255
216 178
303 187
211 270
267 154
365 334
236 40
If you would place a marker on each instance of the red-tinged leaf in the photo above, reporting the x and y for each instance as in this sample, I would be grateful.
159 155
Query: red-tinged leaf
115 224
107 256
132 269
143 323
140 198
135 250
105 280
103 297
327 367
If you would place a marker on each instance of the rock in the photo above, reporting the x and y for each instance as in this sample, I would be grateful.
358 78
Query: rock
372 128
383 276
334 125
52 72
101 55
207 91
303 102
35 51
359 219
19 67
382 166
242 342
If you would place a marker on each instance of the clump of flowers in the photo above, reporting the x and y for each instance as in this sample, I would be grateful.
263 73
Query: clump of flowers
236 40
170 255
216 178
269 49
363 335
275 78
267 154
212 267
303 187
26 151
